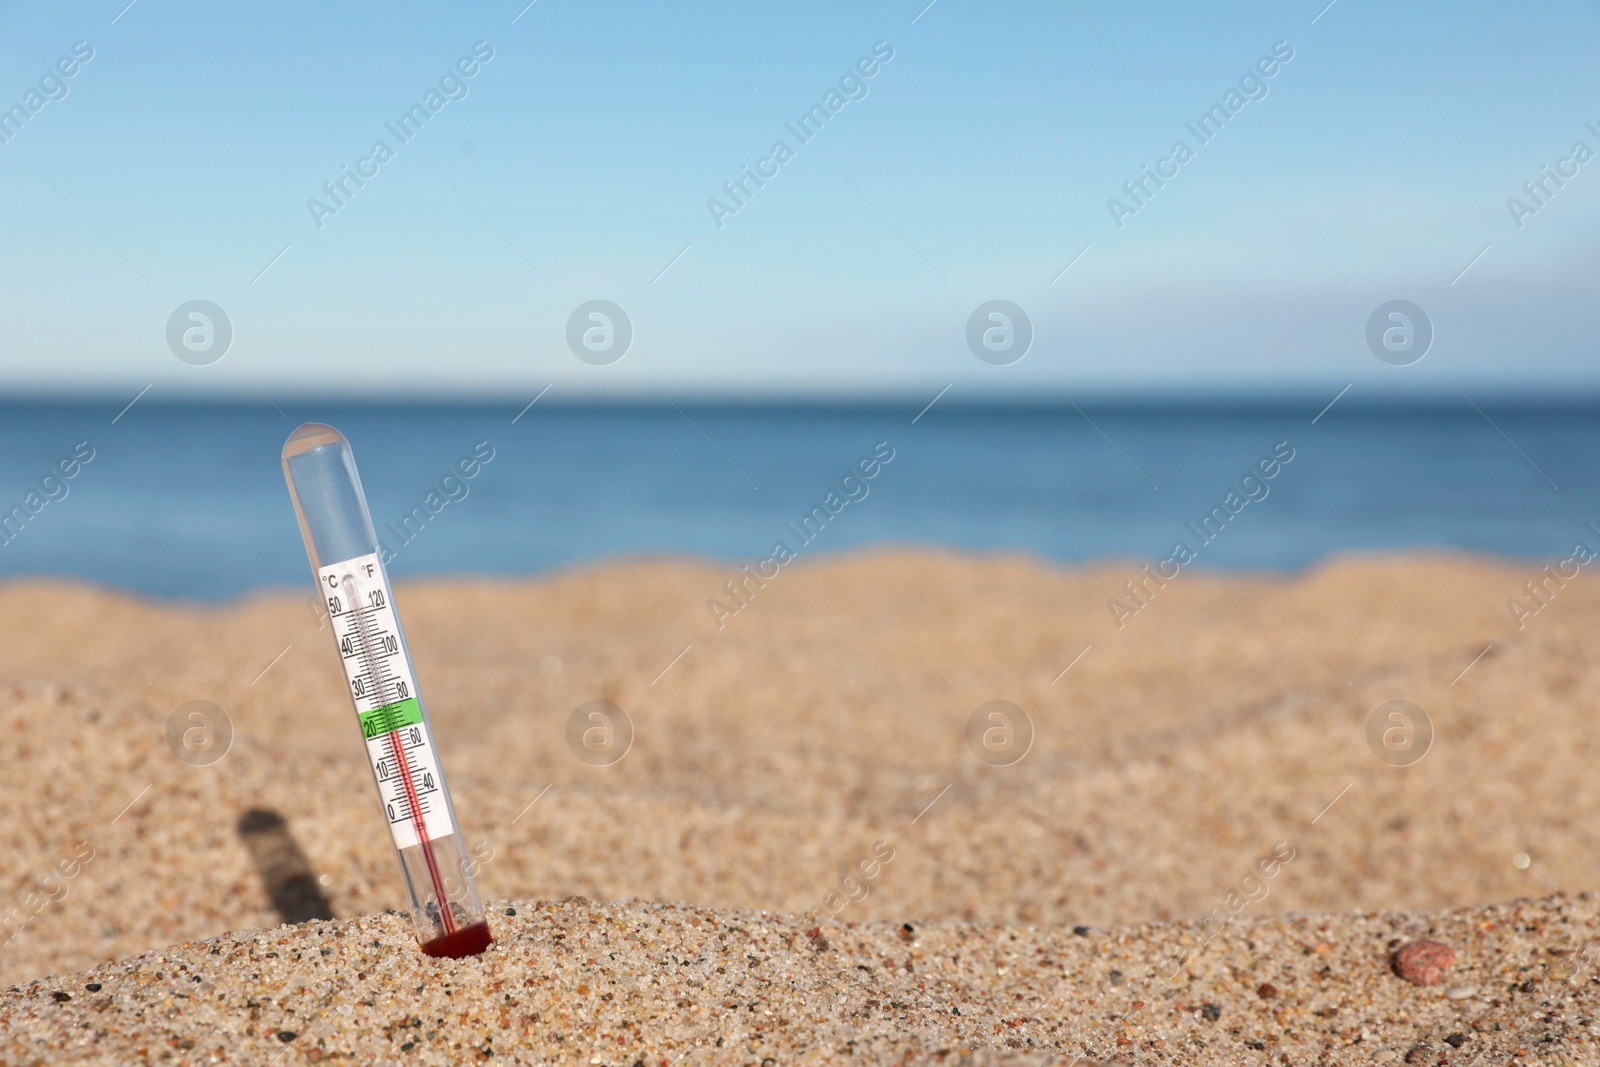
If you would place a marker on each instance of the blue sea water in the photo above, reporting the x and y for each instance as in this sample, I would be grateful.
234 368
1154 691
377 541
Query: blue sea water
187 500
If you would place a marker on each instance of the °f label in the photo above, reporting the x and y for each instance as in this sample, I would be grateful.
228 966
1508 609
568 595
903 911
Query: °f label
399 747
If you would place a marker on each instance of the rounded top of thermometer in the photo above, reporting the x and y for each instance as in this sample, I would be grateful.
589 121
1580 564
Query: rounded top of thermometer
321 471
309 435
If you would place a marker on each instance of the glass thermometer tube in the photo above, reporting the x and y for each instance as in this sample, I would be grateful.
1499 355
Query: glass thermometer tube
343 549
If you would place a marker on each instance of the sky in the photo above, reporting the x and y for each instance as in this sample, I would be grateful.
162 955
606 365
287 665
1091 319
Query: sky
584 158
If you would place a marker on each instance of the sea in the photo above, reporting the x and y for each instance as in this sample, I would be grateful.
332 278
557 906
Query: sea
186 501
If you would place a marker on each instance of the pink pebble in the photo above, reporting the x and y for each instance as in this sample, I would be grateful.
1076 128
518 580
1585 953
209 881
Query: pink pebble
1423 962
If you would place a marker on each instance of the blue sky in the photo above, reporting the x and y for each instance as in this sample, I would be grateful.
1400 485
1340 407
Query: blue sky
978 165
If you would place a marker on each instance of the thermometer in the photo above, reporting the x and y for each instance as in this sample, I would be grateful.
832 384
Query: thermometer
343 549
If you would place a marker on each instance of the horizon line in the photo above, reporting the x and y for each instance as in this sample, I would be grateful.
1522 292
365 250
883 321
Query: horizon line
951 395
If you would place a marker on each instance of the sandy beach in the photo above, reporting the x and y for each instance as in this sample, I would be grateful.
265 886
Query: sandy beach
665 901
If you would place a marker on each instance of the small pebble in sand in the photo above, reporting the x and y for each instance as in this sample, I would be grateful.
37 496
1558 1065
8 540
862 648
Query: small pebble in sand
907 932
1082 931
1418 1054
1211 1013
1423 962
1266 991
1385 1055
1456 1040
1461 992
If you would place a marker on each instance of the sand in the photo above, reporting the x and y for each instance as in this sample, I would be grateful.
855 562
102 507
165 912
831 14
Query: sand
581 982
1221 728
